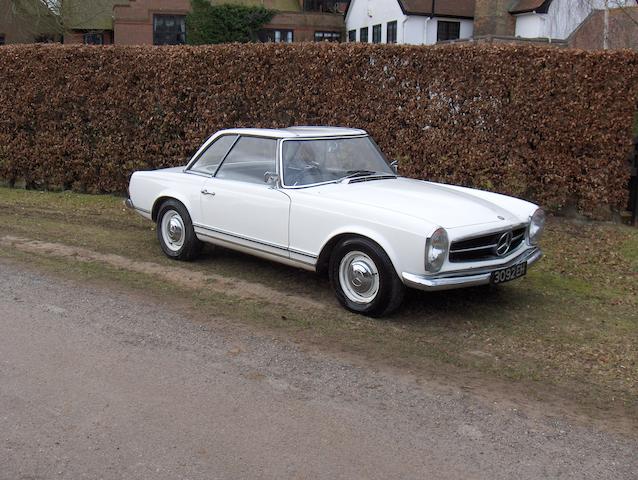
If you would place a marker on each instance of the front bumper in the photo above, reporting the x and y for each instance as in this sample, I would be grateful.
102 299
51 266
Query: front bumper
468 277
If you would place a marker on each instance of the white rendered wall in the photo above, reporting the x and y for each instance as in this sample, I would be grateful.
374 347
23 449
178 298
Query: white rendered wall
561 19
366 13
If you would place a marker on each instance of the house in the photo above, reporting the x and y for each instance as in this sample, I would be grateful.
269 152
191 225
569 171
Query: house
409 21
159 22
573 23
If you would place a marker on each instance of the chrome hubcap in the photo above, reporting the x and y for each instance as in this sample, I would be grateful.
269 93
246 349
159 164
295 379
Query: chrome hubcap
359 277
173 230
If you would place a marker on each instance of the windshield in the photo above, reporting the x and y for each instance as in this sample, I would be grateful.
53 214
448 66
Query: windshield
306 162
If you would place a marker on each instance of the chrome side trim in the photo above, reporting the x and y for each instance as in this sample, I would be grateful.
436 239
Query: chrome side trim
252 250
468 277
252 240
143 210
240 237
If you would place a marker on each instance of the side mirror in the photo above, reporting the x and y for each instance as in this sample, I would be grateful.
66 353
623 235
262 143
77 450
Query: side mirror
394 165
271 178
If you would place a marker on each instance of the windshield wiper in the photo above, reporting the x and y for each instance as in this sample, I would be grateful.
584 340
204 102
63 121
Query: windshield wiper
365 173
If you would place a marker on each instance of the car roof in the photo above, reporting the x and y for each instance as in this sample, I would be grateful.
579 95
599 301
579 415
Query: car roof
296 132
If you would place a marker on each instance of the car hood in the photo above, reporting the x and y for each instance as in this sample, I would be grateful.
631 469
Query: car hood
445 205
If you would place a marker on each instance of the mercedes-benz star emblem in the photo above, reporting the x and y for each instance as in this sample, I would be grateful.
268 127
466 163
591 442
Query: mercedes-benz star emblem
503 244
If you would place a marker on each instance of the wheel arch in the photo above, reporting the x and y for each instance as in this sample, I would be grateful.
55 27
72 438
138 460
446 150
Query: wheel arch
159 201
326 250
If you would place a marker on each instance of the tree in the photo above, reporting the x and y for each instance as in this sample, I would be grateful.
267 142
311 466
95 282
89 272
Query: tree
58 17
208 23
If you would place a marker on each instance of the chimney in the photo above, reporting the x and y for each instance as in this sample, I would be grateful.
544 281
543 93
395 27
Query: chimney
492 17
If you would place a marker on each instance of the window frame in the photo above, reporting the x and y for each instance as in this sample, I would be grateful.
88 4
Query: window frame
280 155
164 34
395 32
204 148
332 35
99 35
377 29
352 36
367 30
239 137
448 23
283 32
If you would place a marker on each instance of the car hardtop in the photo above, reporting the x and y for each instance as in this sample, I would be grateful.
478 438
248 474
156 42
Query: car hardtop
298 132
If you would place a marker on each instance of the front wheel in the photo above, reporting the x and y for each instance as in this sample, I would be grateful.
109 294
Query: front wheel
175 231
364 279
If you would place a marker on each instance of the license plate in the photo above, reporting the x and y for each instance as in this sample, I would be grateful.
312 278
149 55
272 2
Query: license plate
509 273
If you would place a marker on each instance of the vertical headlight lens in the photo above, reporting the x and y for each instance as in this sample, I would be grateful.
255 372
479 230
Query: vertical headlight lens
536 227
436 250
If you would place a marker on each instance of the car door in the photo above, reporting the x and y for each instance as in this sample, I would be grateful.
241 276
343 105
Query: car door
239 207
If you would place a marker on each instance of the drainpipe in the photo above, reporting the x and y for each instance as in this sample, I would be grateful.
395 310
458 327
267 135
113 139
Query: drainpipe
606 27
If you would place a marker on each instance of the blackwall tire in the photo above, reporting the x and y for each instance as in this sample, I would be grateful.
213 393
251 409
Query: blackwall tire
363 278
175 231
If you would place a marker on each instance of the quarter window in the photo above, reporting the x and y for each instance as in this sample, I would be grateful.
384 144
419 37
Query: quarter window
391 36
169 29
363 35
447 30
376 33
211 158
249 160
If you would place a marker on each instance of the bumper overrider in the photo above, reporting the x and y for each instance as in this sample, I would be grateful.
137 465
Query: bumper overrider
468 277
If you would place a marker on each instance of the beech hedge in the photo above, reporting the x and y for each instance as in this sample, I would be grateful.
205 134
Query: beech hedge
550 125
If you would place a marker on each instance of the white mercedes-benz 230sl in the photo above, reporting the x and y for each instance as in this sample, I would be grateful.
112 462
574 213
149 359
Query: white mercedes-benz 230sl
327 200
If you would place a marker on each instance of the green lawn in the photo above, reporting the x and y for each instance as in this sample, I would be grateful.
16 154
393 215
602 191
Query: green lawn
568 330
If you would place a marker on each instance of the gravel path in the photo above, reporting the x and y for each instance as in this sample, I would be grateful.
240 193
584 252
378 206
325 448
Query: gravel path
97 383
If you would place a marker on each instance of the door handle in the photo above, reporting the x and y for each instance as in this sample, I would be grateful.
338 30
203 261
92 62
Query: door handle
206 192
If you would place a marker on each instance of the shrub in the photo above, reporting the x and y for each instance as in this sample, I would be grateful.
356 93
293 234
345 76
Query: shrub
208 23
550 125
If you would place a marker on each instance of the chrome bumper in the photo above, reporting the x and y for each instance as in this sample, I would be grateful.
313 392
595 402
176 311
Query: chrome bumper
469 277
129 204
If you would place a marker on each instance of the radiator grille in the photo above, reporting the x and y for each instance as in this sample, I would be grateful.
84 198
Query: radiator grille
484 247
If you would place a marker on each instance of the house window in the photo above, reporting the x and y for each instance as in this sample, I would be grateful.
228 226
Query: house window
169 29
276 36
363 35
327 36
352 35
331 6
376 33
2 41
447 30
391 36
44 39
94 38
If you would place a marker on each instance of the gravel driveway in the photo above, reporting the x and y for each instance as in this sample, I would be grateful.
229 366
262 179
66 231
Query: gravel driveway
99 383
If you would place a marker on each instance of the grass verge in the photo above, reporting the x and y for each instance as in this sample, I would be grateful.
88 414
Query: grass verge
569 330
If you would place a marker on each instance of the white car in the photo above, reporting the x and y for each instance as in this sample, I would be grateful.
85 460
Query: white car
326 199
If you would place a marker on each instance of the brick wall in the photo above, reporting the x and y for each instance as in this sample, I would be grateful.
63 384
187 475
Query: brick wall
623 30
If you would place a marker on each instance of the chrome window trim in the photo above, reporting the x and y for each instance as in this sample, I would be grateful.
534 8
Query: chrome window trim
240 136
204 148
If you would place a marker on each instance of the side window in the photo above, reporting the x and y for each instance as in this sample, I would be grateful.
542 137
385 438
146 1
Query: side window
249 160
209 160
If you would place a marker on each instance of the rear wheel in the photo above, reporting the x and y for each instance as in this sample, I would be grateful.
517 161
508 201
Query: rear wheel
175 231
364 279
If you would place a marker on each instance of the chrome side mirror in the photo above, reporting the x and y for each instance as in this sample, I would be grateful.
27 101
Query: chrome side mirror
272 179
394 165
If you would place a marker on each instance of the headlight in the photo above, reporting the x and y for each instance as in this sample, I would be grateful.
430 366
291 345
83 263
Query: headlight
435 250
536 226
